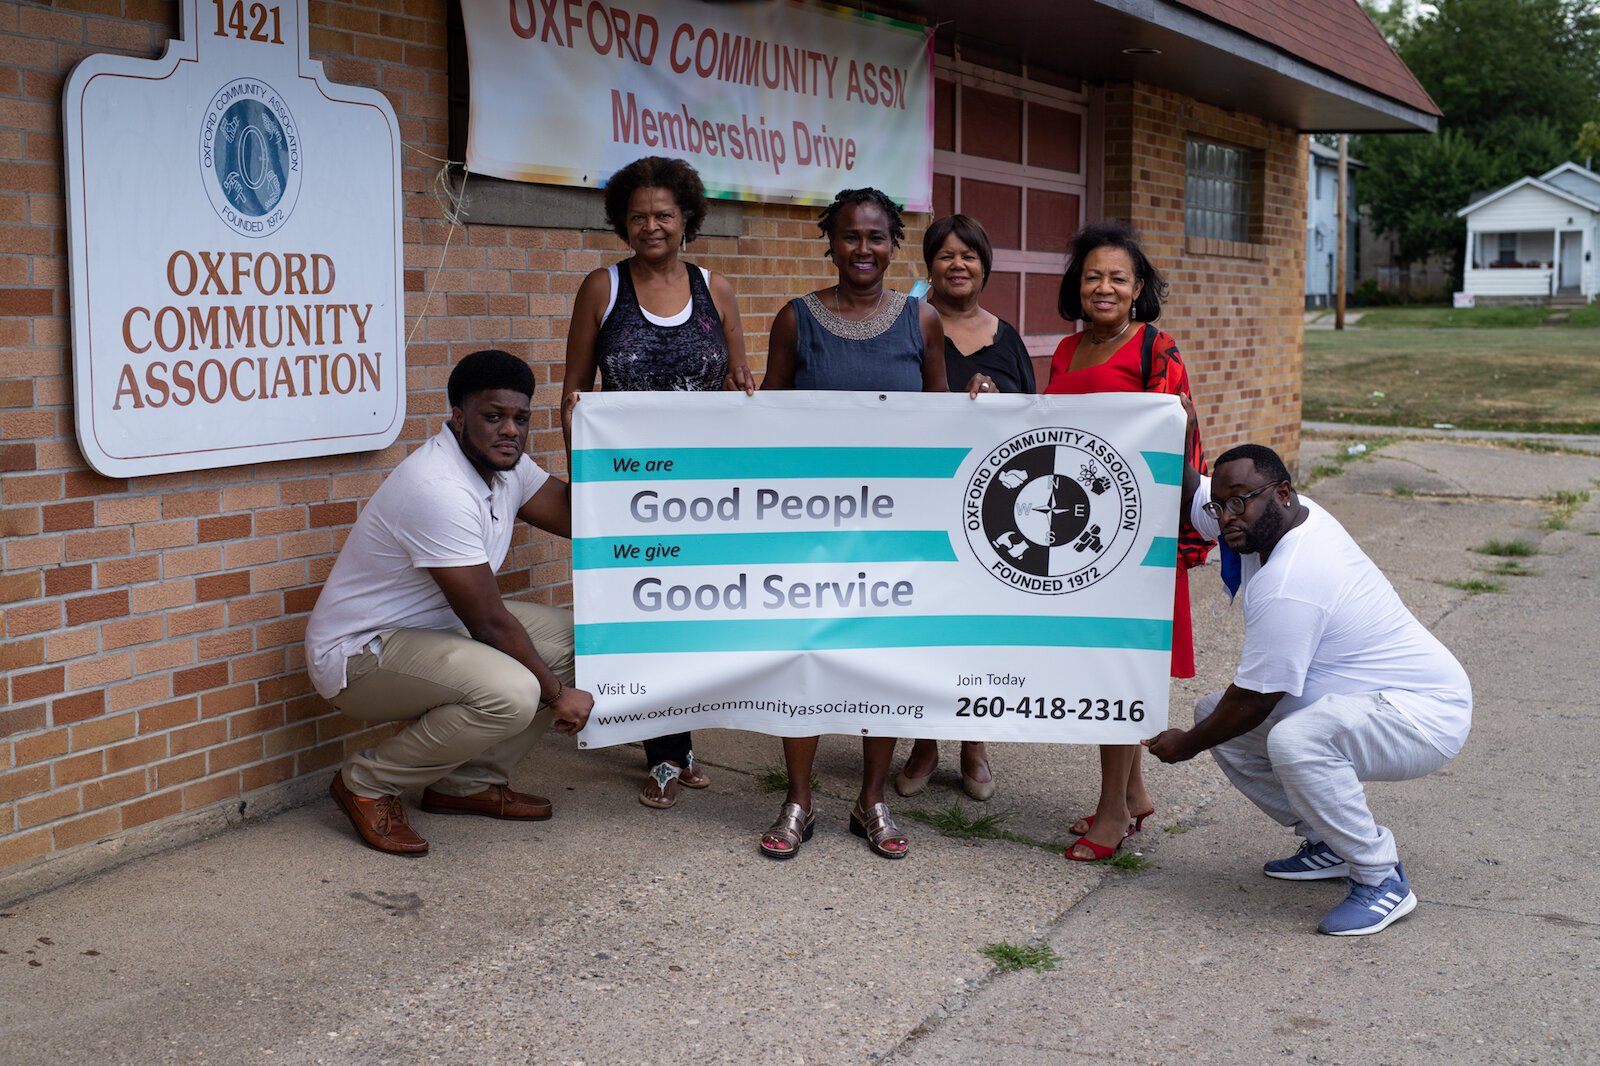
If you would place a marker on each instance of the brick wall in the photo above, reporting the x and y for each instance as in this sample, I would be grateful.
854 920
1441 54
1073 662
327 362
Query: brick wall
154 680
1234 309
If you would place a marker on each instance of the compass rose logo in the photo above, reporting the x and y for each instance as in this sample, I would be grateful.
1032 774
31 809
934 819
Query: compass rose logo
1052 510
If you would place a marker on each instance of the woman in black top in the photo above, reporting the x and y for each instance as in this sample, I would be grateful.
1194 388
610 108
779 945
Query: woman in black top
981 347
958 255
656 323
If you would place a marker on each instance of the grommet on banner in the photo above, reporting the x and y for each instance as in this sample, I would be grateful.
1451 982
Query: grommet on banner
882 397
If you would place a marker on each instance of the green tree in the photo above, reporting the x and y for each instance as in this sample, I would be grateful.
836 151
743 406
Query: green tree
1390 16
1588 145
1516 80
1489 60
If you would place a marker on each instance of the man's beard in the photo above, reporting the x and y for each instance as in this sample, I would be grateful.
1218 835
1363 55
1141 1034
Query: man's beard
1264 532
482 460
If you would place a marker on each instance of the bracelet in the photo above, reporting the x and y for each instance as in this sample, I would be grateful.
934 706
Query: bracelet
560 689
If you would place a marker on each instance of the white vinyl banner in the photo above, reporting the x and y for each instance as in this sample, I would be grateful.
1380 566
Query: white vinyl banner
907 565
770 101
235 224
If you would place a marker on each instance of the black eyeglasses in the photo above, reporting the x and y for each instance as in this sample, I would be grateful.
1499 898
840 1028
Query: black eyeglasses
1235 504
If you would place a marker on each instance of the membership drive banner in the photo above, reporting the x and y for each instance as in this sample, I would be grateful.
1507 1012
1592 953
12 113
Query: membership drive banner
887 565
770 101
235 235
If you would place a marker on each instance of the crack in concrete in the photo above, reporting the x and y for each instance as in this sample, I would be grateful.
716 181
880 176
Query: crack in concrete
1547 916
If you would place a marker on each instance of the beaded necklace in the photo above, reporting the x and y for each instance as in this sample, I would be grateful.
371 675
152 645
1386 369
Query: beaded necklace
874 325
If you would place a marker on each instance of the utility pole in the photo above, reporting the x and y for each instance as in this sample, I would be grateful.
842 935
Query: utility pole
1340 255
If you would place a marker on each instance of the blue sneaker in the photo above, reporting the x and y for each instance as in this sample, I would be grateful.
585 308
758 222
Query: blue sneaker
1370 908
1313 862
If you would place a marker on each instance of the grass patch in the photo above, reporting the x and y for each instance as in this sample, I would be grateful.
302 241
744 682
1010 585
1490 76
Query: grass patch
1507 549
1565 499
954 821
1405 492
1543 447
1427 316
776 779
1334 465
1128 861
1474 586
1537 380
1443 317
1511 568
1176 829
1563 505
1587 317
1008 957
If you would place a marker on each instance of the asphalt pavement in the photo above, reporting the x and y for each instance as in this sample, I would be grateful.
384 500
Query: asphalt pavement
618 934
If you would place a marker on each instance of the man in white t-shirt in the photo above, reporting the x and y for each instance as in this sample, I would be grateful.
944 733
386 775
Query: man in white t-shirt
410 625
1337 684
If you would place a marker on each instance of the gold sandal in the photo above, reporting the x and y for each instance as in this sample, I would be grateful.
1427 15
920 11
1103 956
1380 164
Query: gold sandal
793 828
876 826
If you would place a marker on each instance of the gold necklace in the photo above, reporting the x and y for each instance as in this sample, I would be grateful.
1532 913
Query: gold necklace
882 292
1107 340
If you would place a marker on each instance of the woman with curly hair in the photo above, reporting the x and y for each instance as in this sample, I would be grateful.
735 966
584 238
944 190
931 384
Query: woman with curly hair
856 334
1116 291
656 323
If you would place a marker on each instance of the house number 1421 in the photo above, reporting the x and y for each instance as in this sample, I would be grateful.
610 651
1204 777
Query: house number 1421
247 22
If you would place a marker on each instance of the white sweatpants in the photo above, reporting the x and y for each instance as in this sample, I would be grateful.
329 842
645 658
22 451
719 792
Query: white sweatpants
1304 768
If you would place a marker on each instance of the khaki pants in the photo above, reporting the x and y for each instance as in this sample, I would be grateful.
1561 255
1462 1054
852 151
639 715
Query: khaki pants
475 707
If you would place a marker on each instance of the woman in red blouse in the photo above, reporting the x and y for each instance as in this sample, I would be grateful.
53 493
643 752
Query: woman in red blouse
1117 292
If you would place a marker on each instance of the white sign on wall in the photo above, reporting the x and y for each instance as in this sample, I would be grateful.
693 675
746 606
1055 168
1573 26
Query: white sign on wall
235 225
770 101
892 564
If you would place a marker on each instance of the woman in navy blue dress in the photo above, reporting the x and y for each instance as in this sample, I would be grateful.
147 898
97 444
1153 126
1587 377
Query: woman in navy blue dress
854 335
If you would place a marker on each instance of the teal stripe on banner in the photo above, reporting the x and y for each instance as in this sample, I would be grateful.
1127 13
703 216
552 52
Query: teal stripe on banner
828 634
721 464
1166 468
1163 552
723 549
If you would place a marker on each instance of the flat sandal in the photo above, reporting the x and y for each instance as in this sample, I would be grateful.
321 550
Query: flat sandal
693 776
661 775
793 828
876 826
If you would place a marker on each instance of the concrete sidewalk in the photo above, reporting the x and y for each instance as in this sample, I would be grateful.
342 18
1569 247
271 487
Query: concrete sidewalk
618 934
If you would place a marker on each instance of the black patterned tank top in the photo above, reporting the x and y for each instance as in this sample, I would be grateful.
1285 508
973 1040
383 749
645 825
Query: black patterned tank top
637 355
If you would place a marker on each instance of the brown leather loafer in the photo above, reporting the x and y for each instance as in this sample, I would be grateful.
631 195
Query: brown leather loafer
496 801
380 823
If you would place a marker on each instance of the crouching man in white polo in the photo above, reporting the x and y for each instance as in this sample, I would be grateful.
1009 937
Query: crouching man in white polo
1337 684
410 624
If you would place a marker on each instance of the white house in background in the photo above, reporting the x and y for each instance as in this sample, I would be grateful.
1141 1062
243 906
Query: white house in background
1322 224
1536 240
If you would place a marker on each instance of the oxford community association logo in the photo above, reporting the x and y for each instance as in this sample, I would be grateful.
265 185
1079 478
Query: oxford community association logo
1052 510
250 157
